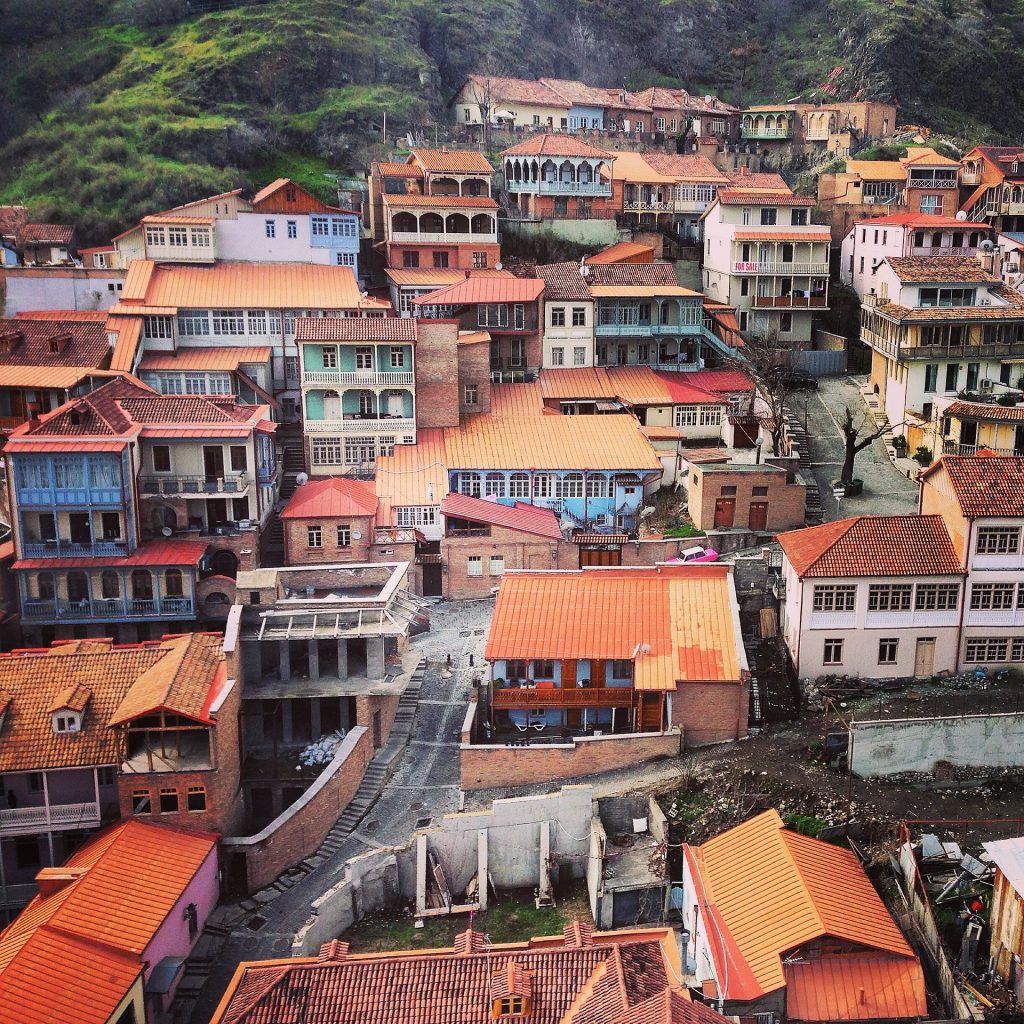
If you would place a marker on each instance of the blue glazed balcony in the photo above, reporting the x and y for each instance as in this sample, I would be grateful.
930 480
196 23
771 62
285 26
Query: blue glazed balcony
107 609
67 549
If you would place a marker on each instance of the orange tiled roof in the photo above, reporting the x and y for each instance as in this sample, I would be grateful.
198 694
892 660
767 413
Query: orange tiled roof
517 90
455 160
228 285
355 328
330 498
685 614
686 167
72 956
620 252
84 342
985 484
577 93
99 677
442 202
940 270
856 986
771 891
614 978
908 545
547 144
564 282
392 170
783 236
735 196
985 411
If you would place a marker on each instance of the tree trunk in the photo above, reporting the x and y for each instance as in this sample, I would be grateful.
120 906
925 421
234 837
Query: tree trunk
846 476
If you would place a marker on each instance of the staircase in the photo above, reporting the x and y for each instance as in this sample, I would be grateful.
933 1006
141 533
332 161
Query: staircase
813 511
293 461
379 769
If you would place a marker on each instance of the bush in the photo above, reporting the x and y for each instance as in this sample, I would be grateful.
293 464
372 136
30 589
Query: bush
805 824
899 442
683 530
923 456
1007 398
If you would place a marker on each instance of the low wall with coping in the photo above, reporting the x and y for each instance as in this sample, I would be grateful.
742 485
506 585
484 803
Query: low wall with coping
916 744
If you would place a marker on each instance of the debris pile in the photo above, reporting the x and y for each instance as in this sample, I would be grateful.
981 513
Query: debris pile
320 751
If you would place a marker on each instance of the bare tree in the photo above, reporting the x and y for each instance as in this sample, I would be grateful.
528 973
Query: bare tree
763 360
855 442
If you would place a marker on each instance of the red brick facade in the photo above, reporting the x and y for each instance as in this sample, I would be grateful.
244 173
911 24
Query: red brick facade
297 550
472 256
437 374
711 712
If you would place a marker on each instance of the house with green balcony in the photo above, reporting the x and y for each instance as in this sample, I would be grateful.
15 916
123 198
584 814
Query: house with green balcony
358 381
133 511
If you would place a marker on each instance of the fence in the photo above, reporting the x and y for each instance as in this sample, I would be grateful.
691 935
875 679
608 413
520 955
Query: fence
819 364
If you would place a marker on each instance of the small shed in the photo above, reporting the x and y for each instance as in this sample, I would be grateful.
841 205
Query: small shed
1007 916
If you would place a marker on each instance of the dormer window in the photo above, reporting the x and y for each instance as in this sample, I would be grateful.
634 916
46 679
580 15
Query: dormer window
290 195
510 1006
75 418
67 721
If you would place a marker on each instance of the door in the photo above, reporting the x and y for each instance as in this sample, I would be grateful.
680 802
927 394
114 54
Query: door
213 462
396 404
600 555
725 513
759 515
80 528
332 405
968 433
924 657
1018 441
432 580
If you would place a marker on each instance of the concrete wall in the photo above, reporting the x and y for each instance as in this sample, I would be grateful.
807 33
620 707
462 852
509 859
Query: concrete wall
303 826
585 232
61 288
915 744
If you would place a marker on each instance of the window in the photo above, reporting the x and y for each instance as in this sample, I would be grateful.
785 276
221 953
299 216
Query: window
293 229
889 597
579 356
416 515
834 598
364 357
345 259
998 540
1017 649
930 297
291 369
622 668
519 485
571 486
314 537
154 236
440 260
474 566
931 204
785 323
543 669
141 802
659 124
257 320
168 801
979 651
329 357
466 114
686 416
937 596
494 485
992 596
105 775
269 228
492 315
798 217
710 415
320 226
510 1006
469 484
952 375
239 461
193 322
201 237
410 260
542 485
558 316
469 394
228 321
344 535
887 648
579 316
760 492
26 852
769 215
326 451
173 583
479 261
155 327
931 376
728 492
497 565
558 356
397 357
161 458
67 722
833 652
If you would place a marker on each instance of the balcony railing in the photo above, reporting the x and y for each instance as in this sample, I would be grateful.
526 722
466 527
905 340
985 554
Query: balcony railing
568 697
107 609
644 329
790 301
367 425
265 474
993 350
446 237
787 269
68 549
360 378
394 535
233 483
766 133
955 448
929 183
560 188
939 250
22 820
77 497
647 206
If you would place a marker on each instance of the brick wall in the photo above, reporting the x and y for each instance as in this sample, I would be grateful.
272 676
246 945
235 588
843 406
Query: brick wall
711 712
475 368
785 501
519 550
486 767
297 832
296 540
437 374
460 257
368 704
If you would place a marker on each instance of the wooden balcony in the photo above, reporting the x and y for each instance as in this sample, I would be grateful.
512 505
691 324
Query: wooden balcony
790 301
556 697
783 269
55 817
359 378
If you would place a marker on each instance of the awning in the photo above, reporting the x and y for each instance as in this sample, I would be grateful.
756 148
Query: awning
601 538
162 978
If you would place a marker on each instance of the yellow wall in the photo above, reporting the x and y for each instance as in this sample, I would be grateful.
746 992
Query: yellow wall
133 996
937 499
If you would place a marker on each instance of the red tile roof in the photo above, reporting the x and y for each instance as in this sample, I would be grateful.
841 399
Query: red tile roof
520 516
922 220
564 281
940 270
351 328
455 160
442 202
484 289
547 144
517 90
735 197
985 484
985 411
577 93
907 545
759 181
770 891
32 234
73 954
686 167
633 275
390 170
684 614
613 978
331 498
84 342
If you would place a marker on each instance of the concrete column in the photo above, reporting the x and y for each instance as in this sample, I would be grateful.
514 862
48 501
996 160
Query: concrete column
314 715
286 722
375 657
481 868
314 659
342 658
285 661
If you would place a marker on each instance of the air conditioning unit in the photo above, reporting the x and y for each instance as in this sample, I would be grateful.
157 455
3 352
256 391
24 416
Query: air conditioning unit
986 385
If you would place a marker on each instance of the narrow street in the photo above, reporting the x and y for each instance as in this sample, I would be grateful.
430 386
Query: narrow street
887 491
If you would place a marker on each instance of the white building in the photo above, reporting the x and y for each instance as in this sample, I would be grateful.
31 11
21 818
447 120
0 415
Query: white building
568 338
763 256
938 325
871 597
870 242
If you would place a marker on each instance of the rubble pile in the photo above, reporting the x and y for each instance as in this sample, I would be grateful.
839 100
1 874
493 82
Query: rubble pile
320 751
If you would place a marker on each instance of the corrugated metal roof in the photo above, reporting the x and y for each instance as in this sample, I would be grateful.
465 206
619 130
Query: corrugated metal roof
33 375
632 167
684 614
855 987
783 236
484 289
621 252
520 516
153 552
1008 855
578 382
639 385
424 278
415 475
205 358
332 498
547 144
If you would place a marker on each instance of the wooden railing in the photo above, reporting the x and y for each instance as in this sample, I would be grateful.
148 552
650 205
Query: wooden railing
576 697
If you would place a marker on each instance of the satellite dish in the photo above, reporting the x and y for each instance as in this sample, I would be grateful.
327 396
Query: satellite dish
167 531
961 215
987 246
301 478
357 535
499 265
708 99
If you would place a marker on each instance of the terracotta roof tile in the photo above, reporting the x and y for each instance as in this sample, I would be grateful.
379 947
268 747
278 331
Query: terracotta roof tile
763 181
563 281
61 234
391 170
736 197
82 342
908 545
940 270
1013 310
455 160
331 498
985 411
686 167
442 202
633 275
685 614
352 328
548 144
985 484
518 90
720 382
521 517
577 93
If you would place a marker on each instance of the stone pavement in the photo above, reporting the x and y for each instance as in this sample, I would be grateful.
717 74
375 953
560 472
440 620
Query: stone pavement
887 489
424 786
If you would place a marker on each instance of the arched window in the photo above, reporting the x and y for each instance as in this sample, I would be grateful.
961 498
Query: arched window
571 486
110 584
936 239
142 585
432 222
469 484
173 583
403 222
519 485
457 223
495 485
78 586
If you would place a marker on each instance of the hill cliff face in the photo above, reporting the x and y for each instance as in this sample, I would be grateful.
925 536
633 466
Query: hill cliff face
115 107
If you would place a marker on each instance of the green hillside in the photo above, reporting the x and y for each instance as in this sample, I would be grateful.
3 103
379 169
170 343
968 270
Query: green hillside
115 107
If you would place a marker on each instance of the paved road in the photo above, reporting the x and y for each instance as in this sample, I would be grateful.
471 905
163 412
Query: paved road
423 787
887 490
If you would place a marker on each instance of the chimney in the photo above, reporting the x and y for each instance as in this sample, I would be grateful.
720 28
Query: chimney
333 952
862 998
744 170
53 880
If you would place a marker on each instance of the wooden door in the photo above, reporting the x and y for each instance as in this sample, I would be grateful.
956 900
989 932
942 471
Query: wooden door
758 515
432 581
725 513
600 556
924 657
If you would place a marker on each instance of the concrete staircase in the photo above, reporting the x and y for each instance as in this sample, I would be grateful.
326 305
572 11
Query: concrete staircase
813 511
378 771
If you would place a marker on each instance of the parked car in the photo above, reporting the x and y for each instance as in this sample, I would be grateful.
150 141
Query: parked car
697 554
791 378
